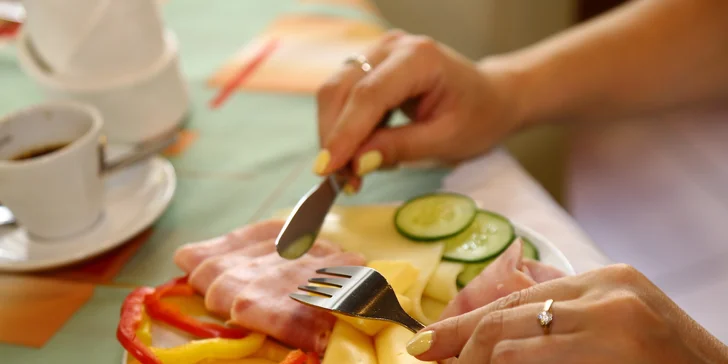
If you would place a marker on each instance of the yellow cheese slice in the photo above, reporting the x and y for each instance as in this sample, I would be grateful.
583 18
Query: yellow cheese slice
369 229
391 346
349 345
372 327
432 307
272 351
442 285
400 274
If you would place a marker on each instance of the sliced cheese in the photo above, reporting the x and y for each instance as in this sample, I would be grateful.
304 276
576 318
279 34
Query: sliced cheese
369 229
372 327
349 345
272 351
442 285
391 346
400 274
432 307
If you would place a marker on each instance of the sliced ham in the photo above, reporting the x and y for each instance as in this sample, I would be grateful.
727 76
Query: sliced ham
206 272
507 274
190 255
222 292
541 272
264 304
242 270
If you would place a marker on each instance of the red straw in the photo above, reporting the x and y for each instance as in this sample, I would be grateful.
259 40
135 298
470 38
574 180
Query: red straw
245 72
8 29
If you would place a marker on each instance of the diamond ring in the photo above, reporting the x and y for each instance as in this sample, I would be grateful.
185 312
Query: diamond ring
546 316
361 61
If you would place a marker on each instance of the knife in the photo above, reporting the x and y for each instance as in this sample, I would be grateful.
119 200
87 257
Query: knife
305 221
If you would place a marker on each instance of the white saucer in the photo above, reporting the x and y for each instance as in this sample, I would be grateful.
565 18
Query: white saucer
135 198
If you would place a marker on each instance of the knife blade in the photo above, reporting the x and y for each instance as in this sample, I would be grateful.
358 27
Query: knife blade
305 221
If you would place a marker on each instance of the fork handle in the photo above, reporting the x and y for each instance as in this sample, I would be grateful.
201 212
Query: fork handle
410 323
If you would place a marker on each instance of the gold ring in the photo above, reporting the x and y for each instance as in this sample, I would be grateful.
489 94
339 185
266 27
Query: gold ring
546 316
361 61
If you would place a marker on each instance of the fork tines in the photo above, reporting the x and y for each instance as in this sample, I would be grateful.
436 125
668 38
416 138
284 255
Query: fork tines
342 271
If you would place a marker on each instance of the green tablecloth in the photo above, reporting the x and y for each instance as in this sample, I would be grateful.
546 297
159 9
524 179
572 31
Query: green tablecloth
252 156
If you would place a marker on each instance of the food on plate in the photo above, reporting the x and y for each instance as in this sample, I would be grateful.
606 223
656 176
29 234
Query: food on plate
401 275
504 275
434 216
440 286
264 305
189 256
252 290
349 345
486 237
163 311
196 351
391 346
441 254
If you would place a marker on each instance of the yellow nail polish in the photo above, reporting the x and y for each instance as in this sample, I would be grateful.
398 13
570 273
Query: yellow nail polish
369 161
321 162
420 343
349 190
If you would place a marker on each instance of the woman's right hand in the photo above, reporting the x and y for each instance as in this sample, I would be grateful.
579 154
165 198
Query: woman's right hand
457 110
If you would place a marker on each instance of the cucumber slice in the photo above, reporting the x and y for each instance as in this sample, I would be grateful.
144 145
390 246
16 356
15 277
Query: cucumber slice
488 235
529 250
472 270
435 216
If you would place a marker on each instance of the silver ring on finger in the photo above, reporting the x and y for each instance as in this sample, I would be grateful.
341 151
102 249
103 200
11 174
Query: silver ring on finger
361 61
546 316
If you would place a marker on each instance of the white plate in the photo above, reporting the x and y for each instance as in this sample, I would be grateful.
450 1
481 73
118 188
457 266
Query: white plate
548 252
135 198
164 336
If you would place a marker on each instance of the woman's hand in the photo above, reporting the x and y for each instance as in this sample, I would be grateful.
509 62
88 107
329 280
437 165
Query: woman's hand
457 112
610 315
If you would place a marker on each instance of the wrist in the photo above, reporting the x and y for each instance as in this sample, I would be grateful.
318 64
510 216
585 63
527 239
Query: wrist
511 80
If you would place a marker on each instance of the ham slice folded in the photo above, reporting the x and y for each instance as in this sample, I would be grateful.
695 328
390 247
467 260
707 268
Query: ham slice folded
507 274
264 306
206 272
189 256
223 288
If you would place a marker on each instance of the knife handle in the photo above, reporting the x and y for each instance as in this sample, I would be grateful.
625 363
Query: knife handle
345 173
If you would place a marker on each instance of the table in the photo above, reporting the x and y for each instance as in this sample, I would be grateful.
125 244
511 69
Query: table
247 159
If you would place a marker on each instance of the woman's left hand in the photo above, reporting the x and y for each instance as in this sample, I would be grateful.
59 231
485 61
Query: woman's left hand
610 315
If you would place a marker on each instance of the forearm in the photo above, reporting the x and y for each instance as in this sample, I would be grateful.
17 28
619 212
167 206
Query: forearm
648 56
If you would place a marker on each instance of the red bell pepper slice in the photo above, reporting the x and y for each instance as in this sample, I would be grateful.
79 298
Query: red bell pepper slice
300 357
132 314
168 313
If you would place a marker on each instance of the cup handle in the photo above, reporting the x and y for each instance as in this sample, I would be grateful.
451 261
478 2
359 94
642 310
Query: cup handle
141 152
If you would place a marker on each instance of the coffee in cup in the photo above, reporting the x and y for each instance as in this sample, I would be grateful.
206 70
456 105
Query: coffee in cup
50 168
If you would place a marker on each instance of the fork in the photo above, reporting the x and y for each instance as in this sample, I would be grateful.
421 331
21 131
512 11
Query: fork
359 292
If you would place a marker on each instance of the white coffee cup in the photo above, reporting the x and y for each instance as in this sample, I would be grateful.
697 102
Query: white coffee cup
58 194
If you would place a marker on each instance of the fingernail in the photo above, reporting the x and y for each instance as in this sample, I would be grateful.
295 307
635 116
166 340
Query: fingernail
369 161
349 190
421 343
321 162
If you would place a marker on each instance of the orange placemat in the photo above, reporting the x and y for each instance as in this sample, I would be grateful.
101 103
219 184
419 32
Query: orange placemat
310 48
33 309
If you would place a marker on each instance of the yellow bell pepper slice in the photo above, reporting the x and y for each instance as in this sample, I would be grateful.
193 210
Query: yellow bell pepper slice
240 361
272 351
144 332
217 348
